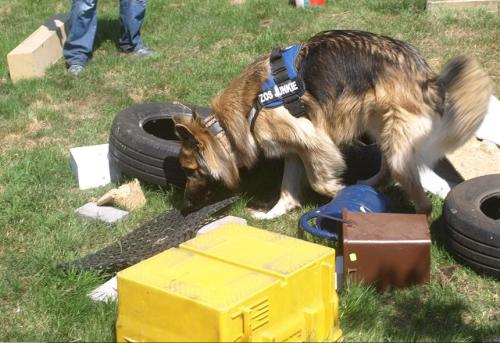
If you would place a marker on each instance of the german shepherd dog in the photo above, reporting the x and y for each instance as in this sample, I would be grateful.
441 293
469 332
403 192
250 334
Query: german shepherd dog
356 83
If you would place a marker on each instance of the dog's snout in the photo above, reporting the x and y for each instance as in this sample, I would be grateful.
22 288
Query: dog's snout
190 206
187 206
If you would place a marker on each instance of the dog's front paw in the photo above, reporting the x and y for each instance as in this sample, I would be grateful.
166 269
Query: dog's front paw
261 215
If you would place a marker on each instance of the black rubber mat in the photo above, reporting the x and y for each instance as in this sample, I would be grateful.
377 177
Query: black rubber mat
159 234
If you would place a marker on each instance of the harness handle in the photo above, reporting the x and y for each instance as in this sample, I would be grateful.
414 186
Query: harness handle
278 67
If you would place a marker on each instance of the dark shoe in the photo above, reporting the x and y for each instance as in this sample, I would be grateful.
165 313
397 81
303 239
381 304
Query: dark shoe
143 52
75 69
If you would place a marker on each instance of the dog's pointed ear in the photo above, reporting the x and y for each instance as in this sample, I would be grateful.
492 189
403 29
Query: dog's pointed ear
185 134
182 130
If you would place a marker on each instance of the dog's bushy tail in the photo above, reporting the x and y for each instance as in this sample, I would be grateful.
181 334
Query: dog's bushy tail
467 90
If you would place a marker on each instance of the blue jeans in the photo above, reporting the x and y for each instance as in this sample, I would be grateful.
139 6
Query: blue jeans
79 45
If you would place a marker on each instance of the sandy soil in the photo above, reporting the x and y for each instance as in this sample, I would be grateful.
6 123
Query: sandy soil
476 158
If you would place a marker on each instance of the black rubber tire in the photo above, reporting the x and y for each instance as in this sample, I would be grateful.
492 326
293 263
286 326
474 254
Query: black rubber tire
462 209
474 255
472 244
478 267
143 144
472 225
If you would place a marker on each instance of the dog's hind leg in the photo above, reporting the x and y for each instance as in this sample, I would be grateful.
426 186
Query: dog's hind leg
398 147
292 186
410 181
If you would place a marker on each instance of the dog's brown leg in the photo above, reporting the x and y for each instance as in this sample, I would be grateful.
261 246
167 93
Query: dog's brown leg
292 186
398 146
410 181
323 161
324 167
279 133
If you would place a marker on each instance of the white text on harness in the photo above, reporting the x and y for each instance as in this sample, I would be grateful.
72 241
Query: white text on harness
277 92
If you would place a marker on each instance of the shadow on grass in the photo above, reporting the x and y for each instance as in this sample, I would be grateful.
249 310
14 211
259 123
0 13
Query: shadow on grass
107 30
417 314
438 233
360 311
400 203
262 183
441 316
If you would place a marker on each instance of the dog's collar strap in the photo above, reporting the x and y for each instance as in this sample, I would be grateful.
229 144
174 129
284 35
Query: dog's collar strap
252 116
214 127
284 85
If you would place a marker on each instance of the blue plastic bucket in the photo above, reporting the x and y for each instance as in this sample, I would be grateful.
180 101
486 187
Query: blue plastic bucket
355 198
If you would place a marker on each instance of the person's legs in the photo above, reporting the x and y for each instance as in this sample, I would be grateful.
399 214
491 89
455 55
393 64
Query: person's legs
131 19
80 42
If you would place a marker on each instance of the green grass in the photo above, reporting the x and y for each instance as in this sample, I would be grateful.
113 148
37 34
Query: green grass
202 45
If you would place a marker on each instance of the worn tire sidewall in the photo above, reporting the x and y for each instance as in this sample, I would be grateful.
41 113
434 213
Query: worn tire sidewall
141 154
462 210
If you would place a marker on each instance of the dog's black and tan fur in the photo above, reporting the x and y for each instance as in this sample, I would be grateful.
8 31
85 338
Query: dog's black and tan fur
356 83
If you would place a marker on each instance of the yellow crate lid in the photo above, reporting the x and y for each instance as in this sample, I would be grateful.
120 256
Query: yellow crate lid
265 251
198 277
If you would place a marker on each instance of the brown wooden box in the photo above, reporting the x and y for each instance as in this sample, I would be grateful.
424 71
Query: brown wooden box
386 249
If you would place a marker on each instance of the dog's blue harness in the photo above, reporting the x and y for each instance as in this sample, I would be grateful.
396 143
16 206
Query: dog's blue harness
284 85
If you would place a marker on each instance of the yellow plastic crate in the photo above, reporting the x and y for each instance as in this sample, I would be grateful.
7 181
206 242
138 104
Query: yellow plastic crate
236 283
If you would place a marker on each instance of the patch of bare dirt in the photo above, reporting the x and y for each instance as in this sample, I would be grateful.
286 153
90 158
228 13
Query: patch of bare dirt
42 104
245 58
32 128
20 141
239 38
337 16
36 125
112 78
83 109
61 7
26 138
72 110
139 95
436 64
476 158
445 274
266 23
222 44
5 9
459 32
165 91
136 94
179 4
